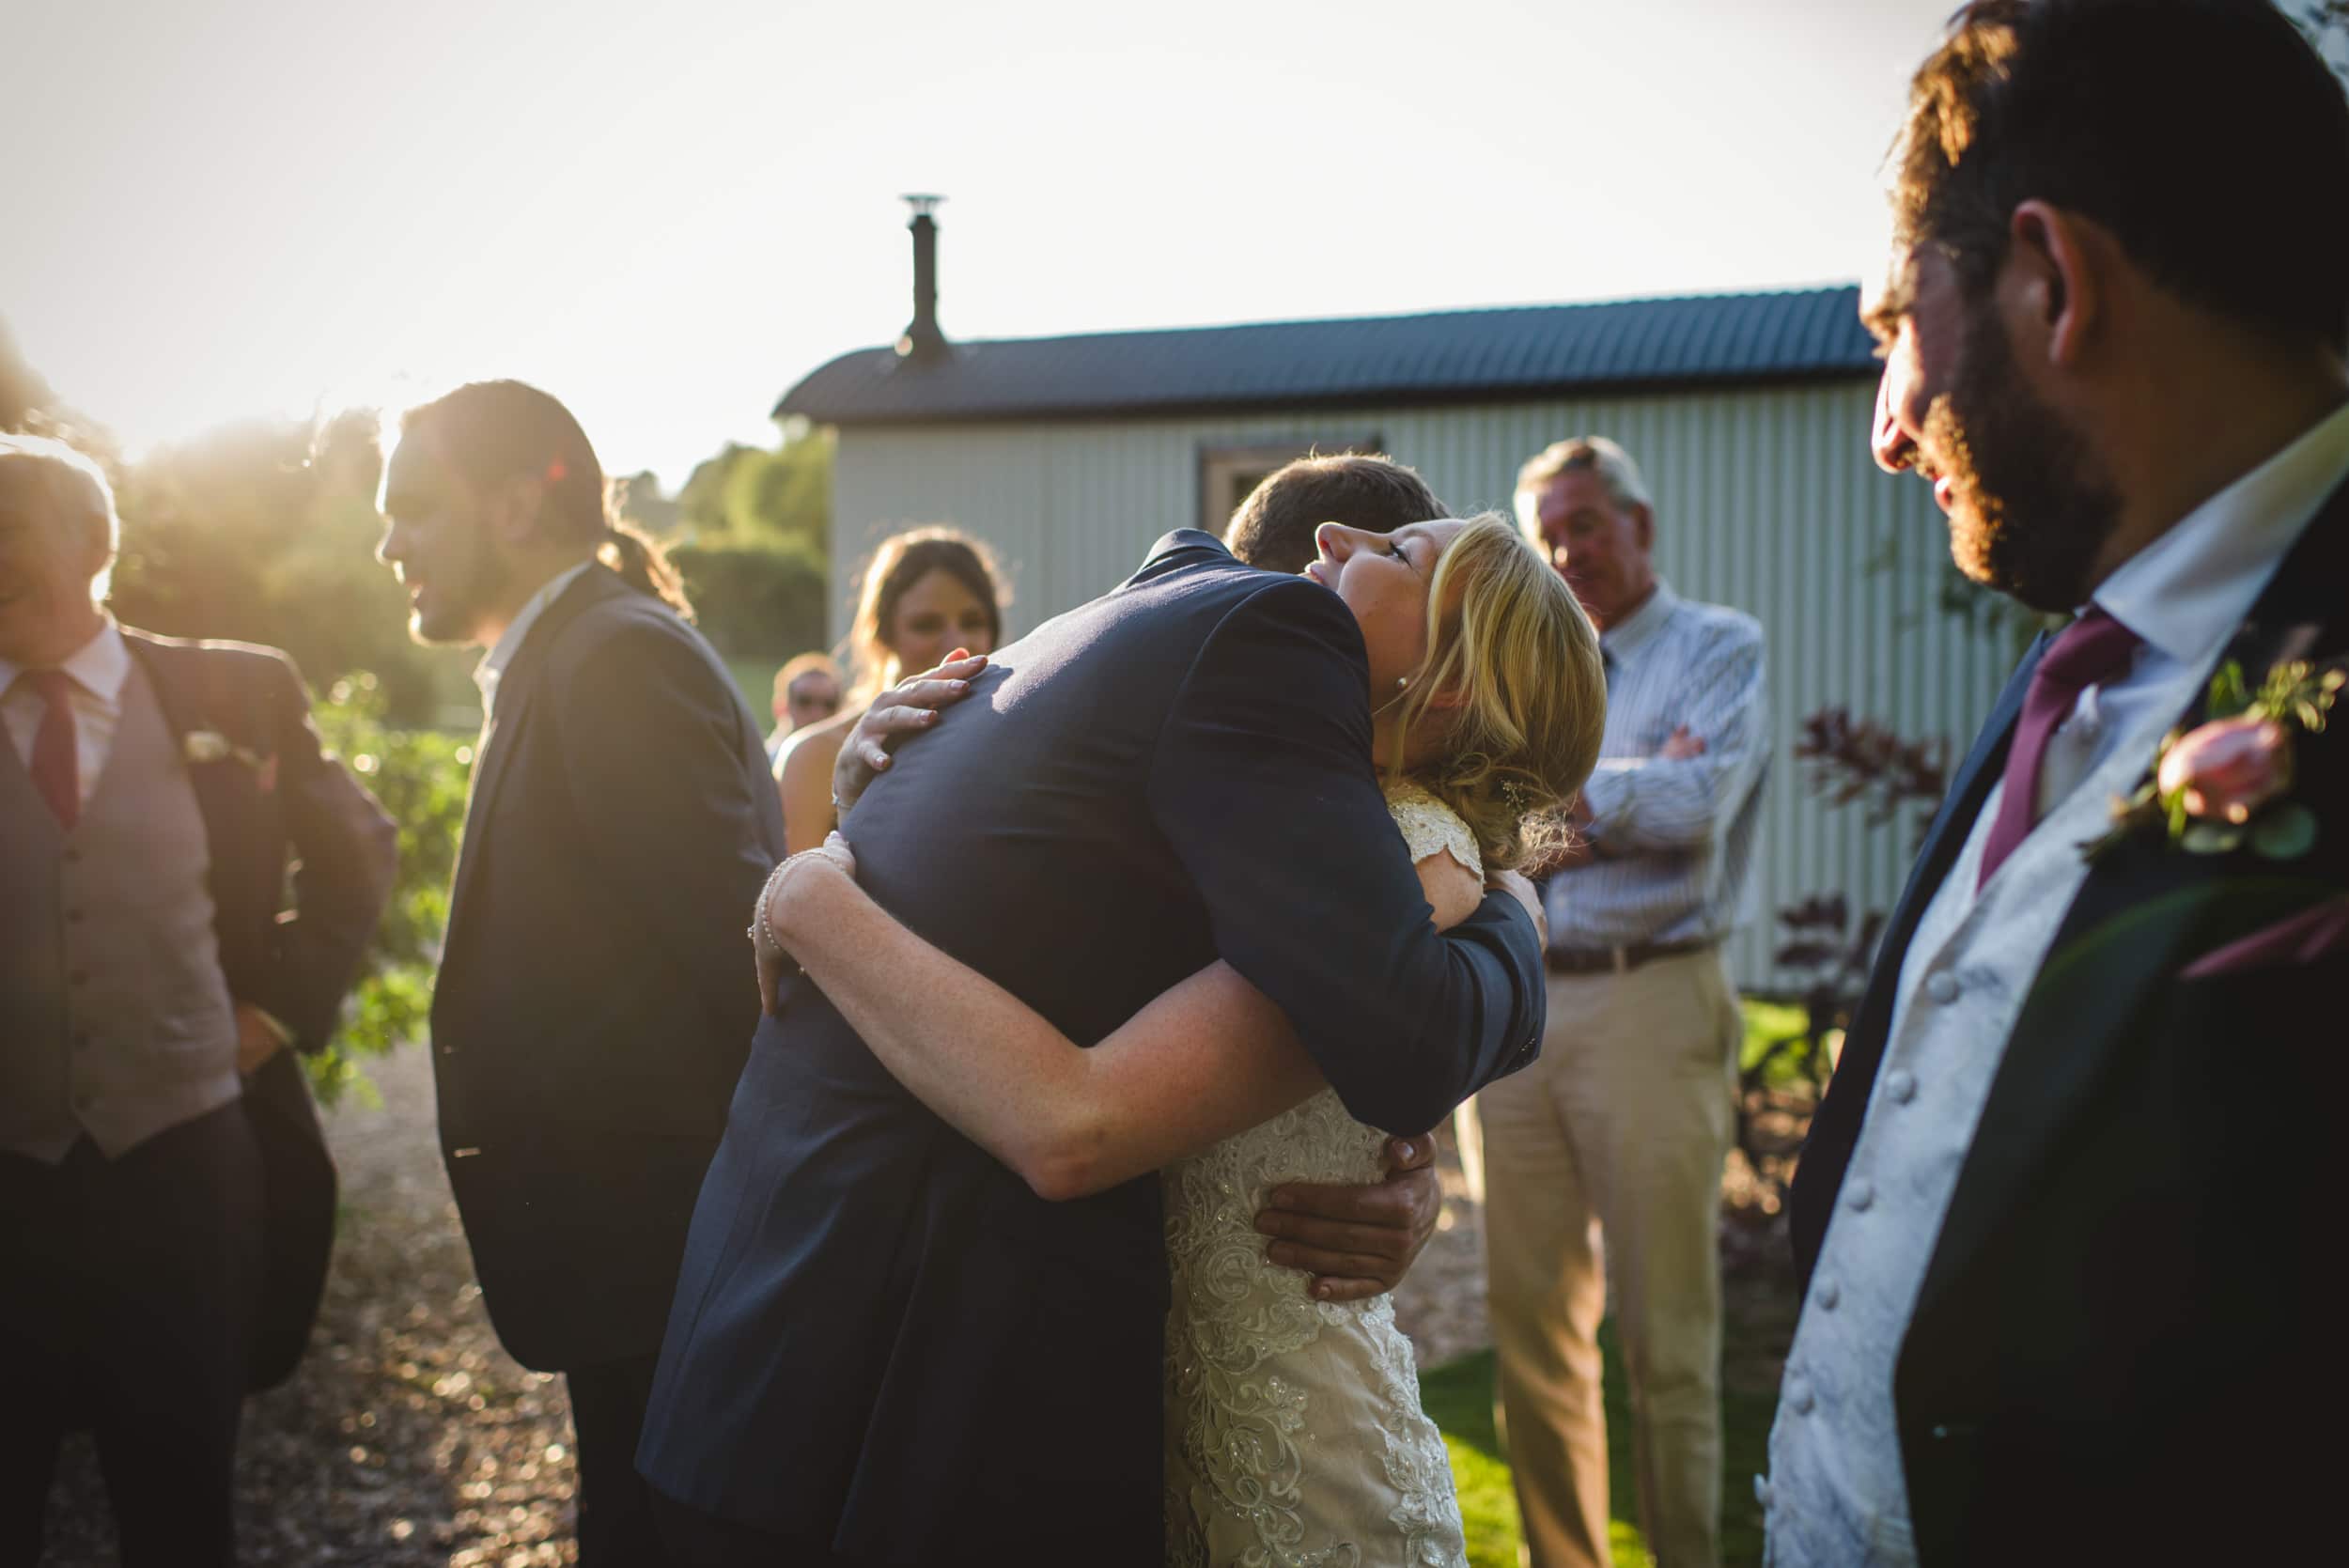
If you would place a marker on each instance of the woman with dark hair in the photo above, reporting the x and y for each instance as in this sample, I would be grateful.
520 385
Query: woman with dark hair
929 595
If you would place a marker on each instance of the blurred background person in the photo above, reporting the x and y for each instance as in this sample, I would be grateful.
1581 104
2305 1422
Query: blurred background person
593 1009
926 592
166 1198
807 692
1620 1128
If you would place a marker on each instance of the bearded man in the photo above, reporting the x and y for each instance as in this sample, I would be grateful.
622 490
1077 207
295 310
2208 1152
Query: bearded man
2061 1298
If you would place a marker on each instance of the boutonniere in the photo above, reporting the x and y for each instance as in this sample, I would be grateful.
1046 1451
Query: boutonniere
2228 781
208 746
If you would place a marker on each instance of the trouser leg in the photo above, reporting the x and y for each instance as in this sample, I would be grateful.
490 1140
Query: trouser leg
617 1525
39 1304
1547 1292
1658 1118
174 1321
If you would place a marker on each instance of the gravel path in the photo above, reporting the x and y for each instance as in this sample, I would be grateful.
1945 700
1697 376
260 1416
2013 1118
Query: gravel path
409 1439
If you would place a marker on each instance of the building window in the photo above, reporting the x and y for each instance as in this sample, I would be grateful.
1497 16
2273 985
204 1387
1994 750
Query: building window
1227 473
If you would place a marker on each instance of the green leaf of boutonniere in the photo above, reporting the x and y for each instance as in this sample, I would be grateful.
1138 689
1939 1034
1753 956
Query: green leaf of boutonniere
2284 832
2209 838
2229 696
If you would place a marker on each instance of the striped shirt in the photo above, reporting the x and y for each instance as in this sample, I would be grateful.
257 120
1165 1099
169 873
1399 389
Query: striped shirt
1674 838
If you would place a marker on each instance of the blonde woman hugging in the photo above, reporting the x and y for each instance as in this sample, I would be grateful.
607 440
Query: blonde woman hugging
1293 1433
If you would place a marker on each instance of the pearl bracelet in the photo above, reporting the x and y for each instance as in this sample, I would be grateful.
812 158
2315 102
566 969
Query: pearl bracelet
758 926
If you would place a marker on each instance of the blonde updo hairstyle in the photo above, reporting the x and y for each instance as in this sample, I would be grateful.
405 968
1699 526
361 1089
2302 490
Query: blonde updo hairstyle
902 561
1525 656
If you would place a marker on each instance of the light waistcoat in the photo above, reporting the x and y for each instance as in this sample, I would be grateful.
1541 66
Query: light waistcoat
114 1016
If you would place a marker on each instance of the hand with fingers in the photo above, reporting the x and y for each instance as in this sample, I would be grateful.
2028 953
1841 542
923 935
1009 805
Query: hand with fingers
1520 887
909 707
1683 744
1357 1242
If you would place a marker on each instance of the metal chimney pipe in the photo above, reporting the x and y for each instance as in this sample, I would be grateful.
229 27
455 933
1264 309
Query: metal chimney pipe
922 341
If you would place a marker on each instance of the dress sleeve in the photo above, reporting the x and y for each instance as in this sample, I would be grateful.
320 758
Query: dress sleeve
1427 824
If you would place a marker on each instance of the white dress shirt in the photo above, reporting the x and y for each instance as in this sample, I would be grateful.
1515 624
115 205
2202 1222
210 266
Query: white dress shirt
98 669
1836 1493
494 664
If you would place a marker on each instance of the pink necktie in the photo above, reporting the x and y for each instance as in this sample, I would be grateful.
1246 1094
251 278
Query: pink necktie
56 769
2089 652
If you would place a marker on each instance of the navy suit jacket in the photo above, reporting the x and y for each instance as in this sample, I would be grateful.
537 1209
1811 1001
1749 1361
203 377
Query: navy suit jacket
2128 1317
884 1344
295 807
596 993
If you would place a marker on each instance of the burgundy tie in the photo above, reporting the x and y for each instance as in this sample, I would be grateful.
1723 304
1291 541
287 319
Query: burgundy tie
2089 652
56 766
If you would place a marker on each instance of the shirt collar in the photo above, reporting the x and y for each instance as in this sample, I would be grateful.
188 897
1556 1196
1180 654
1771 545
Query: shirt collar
98 666
1623 639
494 663
2187 591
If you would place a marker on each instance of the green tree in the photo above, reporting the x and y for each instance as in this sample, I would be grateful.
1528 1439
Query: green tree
748 497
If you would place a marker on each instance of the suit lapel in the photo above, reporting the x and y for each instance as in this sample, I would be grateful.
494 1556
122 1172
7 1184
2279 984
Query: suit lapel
2143 911
501 737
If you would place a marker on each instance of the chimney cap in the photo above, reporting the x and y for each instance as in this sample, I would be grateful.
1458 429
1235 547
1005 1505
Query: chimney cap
922 205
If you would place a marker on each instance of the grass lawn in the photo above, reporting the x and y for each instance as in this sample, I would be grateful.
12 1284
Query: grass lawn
1759 1321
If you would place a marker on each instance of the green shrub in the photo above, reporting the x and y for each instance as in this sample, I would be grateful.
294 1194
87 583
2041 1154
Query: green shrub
753 601
421 777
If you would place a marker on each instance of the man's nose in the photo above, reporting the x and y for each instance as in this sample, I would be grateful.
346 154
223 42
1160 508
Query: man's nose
1888 441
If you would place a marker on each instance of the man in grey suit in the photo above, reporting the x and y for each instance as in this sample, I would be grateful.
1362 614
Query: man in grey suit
167 1200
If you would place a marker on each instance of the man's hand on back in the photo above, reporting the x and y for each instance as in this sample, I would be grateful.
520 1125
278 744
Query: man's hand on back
1358 1241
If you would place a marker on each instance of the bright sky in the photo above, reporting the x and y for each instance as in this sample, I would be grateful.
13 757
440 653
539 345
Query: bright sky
667 213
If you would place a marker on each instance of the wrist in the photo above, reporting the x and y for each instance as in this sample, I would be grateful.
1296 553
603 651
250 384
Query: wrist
784 920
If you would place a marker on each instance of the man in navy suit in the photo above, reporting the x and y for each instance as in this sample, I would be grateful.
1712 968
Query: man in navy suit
2067 1296
595 999
885 1348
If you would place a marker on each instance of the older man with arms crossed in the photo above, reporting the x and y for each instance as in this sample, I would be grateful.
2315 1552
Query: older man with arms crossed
1622 1125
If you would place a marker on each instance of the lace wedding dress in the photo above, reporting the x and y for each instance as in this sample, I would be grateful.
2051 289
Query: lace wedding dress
1295 1436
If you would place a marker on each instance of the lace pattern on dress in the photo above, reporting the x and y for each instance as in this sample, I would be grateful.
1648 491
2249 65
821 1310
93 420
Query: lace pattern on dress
1262 1379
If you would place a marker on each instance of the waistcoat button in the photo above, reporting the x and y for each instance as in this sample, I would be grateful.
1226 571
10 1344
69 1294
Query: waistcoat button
1861 1195
1942 988
1902 1086
1829 1293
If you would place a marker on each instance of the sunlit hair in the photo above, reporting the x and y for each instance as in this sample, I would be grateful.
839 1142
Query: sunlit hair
1524 658
903 560
63 487
1624 484
1273 529
2155 119
494 432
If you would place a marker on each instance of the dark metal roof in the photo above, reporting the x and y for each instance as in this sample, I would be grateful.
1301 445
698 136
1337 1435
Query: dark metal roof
1449 356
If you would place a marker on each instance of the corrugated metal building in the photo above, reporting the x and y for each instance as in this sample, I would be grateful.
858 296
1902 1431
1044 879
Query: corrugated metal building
1750 415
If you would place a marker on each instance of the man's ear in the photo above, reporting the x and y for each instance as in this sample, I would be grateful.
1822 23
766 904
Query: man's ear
513 512
1643 524
2052 284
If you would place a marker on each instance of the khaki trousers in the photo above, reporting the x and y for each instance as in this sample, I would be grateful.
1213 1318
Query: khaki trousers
1620 1127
